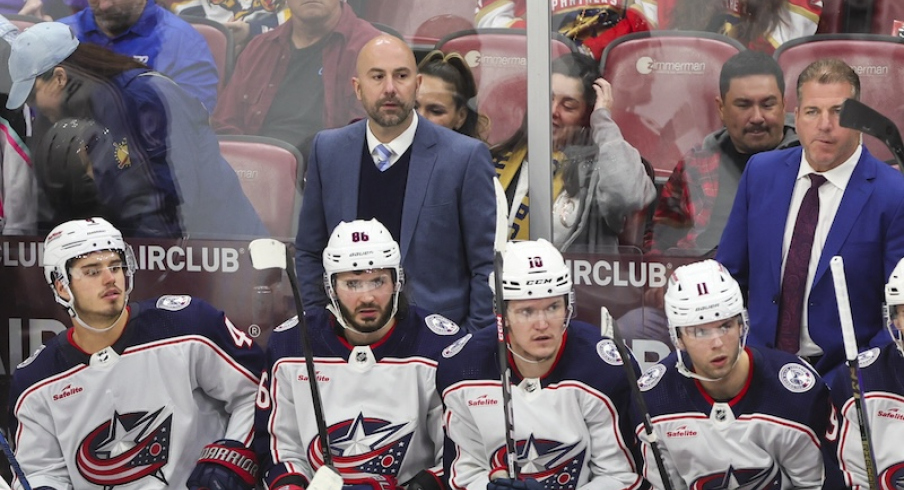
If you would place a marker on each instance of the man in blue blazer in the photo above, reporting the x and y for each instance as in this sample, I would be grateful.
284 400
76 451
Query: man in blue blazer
430 186
860 217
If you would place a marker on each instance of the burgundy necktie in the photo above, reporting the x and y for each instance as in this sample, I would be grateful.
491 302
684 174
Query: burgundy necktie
797 266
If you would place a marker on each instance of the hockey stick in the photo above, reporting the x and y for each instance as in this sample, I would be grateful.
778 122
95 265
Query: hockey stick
635 391
267 253
850 352
861 117
502 351
8 451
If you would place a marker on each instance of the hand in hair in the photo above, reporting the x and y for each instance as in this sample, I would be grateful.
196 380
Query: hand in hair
603 91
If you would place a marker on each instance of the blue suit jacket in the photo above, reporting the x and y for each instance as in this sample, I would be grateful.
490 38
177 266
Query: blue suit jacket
868 232
448 218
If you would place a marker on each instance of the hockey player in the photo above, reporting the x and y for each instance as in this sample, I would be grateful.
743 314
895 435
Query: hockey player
727 415
376 362
570 395
132 395
883 391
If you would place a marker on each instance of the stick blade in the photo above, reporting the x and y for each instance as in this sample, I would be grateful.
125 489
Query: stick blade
844 308
326 478
267 253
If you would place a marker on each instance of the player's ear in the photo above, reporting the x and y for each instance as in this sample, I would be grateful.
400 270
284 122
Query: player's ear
61 290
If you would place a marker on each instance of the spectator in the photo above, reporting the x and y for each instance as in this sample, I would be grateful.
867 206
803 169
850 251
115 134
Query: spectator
760 25
296 80
366 340
153 36
797 208
592 27
599 179
448 95
18 186
728 415
245 19
142 389
165 154
695 202
430 186
881 391
569 392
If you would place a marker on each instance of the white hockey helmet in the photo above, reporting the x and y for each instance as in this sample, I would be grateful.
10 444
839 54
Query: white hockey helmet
702 292
358 246
78 238
532 270
894 296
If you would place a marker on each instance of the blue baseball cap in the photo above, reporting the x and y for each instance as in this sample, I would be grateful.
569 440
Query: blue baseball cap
37 50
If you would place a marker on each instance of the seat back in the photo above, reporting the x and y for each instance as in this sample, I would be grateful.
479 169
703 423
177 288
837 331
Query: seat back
498 60
879 60
421 22
221 45
23 21
268 170
664 86
885 13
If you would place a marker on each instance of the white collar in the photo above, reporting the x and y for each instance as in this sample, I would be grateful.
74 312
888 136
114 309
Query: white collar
400 144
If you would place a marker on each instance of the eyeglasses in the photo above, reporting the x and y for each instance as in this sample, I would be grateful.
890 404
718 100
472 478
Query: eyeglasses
707 333
363 285
556 312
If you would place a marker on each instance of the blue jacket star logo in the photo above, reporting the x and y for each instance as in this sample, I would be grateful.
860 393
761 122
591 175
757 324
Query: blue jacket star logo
365 446
555 464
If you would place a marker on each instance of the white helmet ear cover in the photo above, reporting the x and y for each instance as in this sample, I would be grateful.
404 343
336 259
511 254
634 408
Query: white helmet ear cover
894 296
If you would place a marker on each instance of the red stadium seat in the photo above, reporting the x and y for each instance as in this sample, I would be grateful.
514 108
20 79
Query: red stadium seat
421 22
498 60
664 88
221 45
885 13
23 21
831 20
879 60
268 170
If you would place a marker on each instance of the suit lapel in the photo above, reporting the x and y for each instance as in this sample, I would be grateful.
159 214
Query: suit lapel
858 190
350 177
423 159
785 178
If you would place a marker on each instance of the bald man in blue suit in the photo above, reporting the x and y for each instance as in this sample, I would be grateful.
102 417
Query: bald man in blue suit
430 186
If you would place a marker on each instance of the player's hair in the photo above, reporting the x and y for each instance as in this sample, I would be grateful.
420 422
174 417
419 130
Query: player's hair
829 70
748 63
453 69
757 17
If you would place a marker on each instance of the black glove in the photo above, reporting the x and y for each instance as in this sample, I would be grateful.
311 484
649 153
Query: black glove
425 480
509 484
224 465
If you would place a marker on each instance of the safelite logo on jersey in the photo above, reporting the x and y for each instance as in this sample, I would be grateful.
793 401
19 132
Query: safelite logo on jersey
892 413
682 431
483 401
68 391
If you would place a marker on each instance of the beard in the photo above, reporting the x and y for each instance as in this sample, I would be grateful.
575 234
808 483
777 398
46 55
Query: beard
367 326
390 119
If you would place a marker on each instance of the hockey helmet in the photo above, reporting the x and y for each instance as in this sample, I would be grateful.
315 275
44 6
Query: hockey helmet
532 270
894 296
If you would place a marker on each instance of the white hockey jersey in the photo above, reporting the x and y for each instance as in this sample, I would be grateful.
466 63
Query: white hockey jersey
572 427
882 375
772 435
382 410
135 415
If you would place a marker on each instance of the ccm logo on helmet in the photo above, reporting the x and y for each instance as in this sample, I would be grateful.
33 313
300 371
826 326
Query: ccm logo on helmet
533 282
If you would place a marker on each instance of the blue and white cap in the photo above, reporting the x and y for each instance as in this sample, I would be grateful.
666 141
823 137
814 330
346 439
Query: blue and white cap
37 50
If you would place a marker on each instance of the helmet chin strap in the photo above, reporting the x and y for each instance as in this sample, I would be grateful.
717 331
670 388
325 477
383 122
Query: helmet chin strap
70 305
519 356
334 308
690 374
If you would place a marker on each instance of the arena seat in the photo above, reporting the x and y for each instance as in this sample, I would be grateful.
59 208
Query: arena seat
421 22
23 21
879 60
664 85
498 60
832 19
220 42
271 173
885 13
